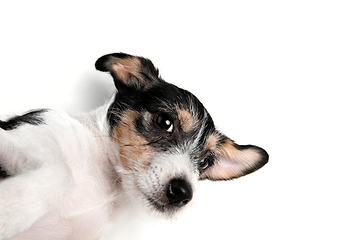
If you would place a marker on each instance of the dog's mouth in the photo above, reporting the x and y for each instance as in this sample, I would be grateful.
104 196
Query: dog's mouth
178 194
166 209
161 207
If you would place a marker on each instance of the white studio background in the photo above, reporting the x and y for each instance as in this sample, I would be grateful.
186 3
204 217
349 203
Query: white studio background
283 75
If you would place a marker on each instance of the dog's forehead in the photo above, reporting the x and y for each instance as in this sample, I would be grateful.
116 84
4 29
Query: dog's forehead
169 98
190 112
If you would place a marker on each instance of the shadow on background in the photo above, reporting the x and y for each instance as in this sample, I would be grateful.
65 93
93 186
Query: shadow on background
92 91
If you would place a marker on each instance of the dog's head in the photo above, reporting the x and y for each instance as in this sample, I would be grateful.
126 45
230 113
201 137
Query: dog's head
166 139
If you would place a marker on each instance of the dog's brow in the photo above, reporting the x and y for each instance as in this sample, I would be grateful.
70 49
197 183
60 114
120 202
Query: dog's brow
187 121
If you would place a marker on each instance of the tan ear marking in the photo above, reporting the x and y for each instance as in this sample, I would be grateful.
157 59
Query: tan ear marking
129 71
234 161
125 68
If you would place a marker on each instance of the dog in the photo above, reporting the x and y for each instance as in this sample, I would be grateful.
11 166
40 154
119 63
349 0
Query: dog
150 143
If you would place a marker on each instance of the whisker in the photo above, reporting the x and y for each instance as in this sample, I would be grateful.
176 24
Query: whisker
132 145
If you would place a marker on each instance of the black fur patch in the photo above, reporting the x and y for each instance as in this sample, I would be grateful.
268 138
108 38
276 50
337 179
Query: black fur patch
3 173
32 117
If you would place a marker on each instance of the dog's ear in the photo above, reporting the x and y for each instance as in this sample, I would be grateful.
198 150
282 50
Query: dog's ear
129 71
233 161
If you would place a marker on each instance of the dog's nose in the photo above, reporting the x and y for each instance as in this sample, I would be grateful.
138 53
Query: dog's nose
179 192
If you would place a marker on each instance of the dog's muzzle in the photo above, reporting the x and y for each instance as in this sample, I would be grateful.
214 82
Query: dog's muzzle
179 192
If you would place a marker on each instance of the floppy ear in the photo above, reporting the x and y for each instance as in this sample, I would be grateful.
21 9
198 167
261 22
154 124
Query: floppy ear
233 161
129 71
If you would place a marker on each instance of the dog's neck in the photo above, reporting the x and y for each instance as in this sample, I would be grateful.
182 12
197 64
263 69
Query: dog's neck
96 122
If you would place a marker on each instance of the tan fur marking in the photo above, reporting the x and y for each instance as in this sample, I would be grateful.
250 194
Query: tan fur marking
227 149
187 121
124 68
211 143
134 151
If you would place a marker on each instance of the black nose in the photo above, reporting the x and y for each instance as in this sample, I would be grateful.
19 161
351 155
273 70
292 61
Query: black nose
179 192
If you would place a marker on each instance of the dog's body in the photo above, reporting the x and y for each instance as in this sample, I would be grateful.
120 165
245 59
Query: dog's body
67 178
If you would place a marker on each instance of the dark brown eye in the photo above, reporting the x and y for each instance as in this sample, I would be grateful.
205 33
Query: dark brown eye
165 122
204 164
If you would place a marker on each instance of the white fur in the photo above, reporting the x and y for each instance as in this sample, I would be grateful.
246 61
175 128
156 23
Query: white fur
152 183
63 184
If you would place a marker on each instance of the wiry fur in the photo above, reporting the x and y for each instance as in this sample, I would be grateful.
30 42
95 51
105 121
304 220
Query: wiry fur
68 178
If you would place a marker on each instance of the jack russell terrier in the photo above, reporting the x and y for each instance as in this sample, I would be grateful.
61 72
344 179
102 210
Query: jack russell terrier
66 178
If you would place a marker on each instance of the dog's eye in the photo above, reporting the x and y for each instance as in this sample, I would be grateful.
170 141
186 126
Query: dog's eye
165 122
204 164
